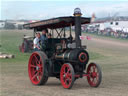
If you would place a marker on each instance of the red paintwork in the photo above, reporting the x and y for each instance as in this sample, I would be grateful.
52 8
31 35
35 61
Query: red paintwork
66 71
82 75
93 75
35 69
84 55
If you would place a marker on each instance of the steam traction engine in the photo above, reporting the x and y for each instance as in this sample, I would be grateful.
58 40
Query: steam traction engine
62 57
27 44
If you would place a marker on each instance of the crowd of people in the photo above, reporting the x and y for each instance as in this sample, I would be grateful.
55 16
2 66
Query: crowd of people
40 39
108 32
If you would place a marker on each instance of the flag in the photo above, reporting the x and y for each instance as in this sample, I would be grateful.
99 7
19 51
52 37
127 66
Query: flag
88 37
85 37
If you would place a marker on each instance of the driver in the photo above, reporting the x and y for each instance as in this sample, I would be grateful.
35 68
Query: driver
49 36
43 36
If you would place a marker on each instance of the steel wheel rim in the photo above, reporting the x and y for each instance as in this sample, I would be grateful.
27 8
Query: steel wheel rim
35 68
66 76
93 77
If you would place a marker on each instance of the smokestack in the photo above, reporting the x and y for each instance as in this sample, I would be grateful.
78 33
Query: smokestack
77 14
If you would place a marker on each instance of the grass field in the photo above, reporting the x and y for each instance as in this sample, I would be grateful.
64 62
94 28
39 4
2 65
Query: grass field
111 54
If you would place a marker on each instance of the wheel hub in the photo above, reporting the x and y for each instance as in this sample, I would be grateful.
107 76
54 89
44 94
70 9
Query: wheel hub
64 75
94 74
37 68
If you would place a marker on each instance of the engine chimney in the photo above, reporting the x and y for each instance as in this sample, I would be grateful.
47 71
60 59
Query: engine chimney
77 14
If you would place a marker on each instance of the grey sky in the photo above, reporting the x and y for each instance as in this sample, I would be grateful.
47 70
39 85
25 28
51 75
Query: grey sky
37 9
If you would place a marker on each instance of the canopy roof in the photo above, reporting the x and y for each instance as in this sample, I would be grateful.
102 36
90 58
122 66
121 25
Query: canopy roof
55 23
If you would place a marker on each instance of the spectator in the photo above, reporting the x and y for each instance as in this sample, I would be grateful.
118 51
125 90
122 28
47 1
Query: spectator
36 42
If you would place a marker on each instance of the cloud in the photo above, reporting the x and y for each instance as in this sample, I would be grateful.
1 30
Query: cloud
44 10
103 10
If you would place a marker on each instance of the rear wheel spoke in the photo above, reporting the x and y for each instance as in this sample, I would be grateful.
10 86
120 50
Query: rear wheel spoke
33 66
37 60
39 75
40 65
64 71
35 76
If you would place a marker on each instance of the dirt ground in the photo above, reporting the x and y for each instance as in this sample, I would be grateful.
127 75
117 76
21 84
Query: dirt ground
113 61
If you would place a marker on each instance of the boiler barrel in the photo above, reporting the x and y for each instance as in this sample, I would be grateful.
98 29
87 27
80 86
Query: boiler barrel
79 55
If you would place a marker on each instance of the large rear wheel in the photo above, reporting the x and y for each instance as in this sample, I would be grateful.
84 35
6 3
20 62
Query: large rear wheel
37 68
95 75
67 76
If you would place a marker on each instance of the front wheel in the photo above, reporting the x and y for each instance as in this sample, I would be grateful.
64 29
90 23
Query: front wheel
95 75
67 77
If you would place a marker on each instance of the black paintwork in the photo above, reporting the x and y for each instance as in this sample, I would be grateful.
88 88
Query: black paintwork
57 54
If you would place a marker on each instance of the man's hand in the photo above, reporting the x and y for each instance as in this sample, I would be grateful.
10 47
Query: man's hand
38 48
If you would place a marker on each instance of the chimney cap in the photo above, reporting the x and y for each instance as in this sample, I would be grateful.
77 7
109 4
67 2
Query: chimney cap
77 12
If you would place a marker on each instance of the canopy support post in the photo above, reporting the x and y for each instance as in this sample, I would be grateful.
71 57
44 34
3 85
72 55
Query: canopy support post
34 32
70 30
64 33
52 33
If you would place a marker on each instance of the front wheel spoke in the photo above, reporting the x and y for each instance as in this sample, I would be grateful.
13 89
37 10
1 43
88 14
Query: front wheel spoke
93 80
89 71
69 78
69 81
65 76
94 67
65 81
68 75
97 77
90 75
96 74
